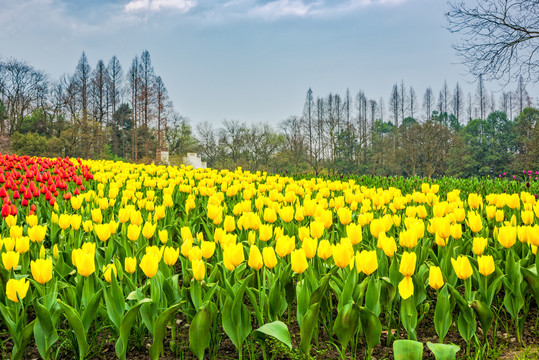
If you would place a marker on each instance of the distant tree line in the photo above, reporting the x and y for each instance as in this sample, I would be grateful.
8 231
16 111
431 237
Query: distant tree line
450 134
100 112
106 113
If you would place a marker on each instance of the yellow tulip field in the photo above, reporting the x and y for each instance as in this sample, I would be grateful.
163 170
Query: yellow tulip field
176 263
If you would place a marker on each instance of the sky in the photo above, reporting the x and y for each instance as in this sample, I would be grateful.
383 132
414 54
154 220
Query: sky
246 60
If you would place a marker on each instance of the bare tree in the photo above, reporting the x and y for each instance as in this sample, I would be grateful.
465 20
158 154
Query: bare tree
458 102
481 97
114 86
428 103
82 89
413 102
147 81
501 37
21 87
394 102
294 147
207 138
134 84
402 99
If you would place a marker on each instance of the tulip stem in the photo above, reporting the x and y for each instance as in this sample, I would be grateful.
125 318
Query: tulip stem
263 292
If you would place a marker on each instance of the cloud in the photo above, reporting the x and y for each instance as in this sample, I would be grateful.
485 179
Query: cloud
158 5
281 8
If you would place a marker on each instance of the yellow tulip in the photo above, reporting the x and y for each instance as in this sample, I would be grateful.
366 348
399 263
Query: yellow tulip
324 250
284 245
41 270
207 248
15 232
37 233
366 262
163 236
303 232
265 232
64 221
130 264
255 258
462 267
316 229
12 220
345 215
309 245
133 232
76 202
408 262
474 221
22 244
485 263
507 236
456 231
76 221
376 227
268 254
479 245
406 287
500 215
286 213
149 229
108 270
31 220
527 217
97 216
149 264
408 238
491 211
10 259
102 231
299 261
88 225
269 215
341 256
436 280
55 251
171 255
355 233
17 289
199 269
229 224
85 263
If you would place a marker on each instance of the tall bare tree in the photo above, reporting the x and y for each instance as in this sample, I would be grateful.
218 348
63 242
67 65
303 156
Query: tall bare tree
500 37
428 103
114 86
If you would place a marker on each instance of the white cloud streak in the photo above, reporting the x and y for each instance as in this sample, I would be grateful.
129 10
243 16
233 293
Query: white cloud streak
158 5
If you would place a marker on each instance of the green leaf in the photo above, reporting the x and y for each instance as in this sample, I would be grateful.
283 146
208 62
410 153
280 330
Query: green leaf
485 315
90 312
25 337
45 333
372 297
278 330
407 350
115 304
78 328
307 328
199 332
442 314
125 329
408 316
160 330
444 351
530 275
346 323
372 328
